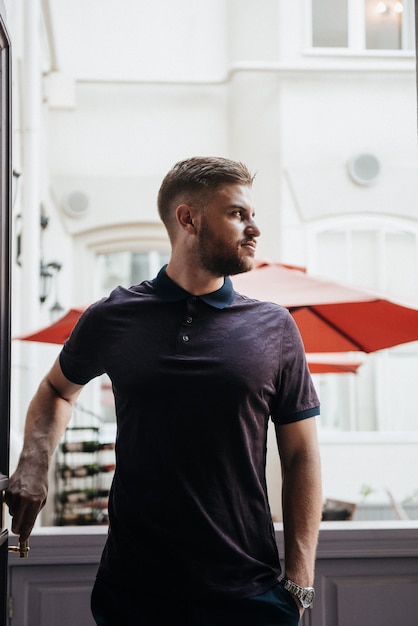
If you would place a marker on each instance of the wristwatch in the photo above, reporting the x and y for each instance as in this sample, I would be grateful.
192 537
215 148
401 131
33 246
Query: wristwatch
305 595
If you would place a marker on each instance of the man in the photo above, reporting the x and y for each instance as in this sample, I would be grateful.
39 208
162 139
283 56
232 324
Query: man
197 370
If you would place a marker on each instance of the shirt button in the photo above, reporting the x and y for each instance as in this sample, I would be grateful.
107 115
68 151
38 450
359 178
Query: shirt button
189 319
186 338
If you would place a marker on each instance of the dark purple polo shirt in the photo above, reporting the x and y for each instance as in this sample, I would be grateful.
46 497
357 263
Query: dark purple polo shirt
195 381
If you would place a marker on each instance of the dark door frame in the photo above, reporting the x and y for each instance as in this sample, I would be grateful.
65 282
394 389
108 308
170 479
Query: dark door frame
5 296
416 51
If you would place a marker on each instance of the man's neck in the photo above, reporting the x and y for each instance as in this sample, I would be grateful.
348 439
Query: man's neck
195 280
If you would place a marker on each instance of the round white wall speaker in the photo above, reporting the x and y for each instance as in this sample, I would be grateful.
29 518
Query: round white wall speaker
75 204
364 169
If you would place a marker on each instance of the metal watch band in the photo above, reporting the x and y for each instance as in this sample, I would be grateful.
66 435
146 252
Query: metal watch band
305 595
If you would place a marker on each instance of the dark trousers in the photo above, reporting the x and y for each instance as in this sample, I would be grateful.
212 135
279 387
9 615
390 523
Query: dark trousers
115 606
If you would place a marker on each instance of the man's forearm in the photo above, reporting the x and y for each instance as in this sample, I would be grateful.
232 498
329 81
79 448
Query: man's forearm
47 418
302 509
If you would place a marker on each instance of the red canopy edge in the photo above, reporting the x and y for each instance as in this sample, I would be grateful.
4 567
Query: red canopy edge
57 332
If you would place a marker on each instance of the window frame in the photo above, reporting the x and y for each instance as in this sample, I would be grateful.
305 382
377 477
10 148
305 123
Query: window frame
356 27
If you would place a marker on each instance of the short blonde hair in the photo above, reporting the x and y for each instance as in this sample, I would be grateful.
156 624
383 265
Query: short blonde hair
195 177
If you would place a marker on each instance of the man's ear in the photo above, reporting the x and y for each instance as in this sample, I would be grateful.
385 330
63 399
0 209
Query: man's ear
185 216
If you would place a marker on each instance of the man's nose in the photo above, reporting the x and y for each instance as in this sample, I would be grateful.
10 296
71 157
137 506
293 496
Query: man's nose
253 229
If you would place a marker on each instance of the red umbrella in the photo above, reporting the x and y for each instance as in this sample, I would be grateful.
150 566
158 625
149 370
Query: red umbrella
332 317
59 331
332 364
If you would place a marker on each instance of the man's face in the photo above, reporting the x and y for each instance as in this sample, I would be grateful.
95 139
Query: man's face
227 235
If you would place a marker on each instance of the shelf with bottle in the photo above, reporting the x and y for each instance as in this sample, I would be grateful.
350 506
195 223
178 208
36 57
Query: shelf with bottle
81 471
84 470
85 446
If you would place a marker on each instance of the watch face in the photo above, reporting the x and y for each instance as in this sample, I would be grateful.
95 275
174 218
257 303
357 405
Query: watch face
308 599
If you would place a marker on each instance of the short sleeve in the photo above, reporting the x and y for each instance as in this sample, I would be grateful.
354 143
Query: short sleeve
80 357
296 397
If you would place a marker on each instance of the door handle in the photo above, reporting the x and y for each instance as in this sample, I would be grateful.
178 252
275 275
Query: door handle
22 549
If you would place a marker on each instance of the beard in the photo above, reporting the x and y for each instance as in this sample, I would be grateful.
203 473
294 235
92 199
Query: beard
222 258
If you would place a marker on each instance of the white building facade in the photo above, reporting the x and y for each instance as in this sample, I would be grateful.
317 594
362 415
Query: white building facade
319 98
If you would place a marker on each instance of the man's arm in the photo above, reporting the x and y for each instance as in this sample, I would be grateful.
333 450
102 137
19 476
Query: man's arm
302 497
47 418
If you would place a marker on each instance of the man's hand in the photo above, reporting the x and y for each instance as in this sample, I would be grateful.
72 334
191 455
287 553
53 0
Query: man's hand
300 607
25 497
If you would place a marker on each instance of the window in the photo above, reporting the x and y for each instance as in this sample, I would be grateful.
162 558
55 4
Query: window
382 395
382 258
127 268
360 25
329 24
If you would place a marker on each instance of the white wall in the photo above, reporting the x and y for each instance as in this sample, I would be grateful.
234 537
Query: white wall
380 466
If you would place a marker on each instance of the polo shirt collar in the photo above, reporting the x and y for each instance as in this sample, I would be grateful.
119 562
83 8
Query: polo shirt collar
170 291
